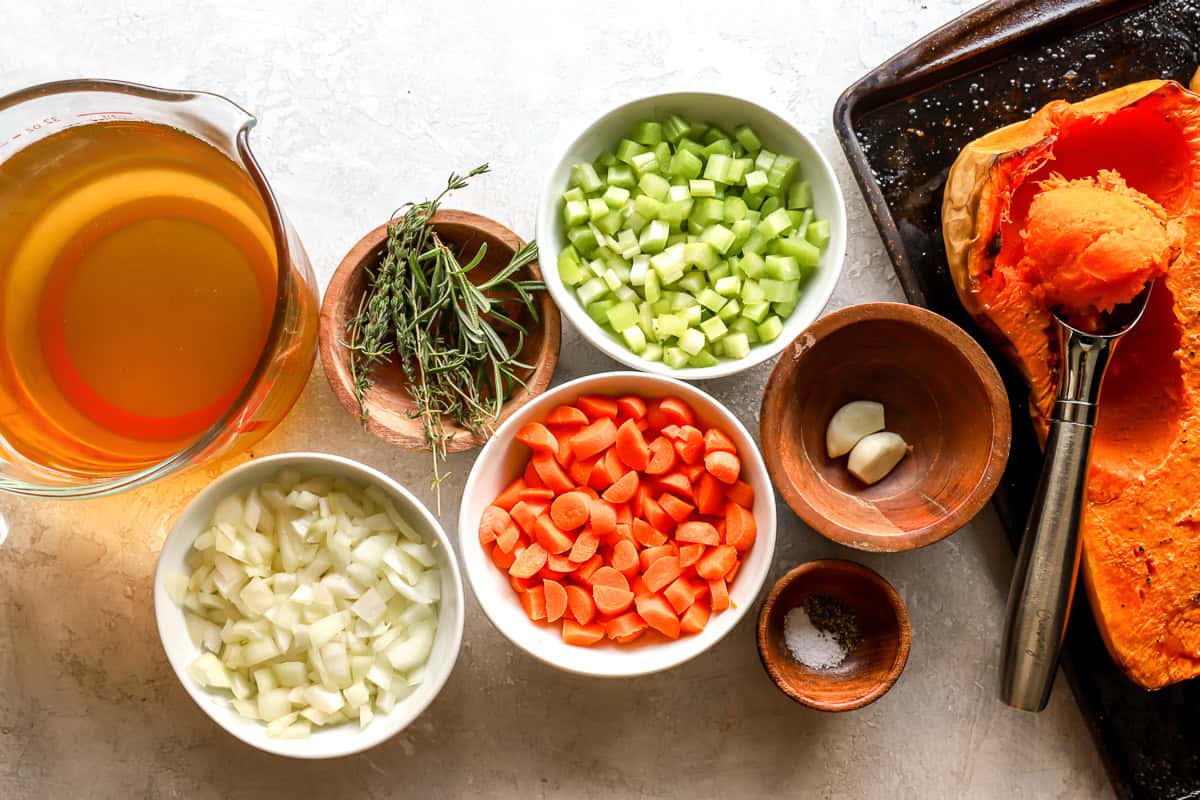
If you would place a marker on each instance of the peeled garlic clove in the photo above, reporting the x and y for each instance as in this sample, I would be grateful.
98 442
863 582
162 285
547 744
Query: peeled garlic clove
876 455
851 423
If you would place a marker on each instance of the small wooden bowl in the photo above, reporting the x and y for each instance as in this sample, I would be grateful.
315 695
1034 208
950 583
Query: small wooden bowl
387 401
939 391
875 663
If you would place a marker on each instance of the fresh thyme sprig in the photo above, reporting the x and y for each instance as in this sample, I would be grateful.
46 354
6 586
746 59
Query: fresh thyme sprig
457 343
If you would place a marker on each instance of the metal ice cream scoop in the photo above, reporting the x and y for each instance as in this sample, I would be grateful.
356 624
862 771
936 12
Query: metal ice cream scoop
1039 600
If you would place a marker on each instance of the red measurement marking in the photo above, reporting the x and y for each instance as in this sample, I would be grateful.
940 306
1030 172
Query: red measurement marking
105 114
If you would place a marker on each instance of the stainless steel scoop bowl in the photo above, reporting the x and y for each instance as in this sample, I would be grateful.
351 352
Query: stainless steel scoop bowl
1039 600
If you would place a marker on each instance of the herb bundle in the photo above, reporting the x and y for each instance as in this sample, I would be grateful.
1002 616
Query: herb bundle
457 342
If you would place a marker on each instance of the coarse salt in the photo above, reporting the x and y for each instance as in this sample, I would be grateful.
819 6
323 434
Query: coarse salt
812 647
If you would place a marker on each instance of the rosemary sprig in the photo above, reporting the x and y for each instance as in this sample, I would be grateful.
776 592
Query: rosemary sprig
456 342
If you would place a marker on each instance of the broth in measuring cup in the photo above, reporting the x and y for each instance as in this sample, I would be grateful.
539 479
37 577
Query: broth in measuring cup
138 276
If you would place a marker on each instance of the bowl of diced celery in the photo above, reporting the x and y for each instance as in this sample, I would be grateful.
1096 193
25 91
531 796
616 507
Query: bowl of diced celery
695 234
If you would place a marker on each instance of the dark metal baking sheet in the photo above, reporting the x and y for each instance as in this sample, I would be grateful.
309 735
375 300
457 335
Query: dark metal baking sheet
901 127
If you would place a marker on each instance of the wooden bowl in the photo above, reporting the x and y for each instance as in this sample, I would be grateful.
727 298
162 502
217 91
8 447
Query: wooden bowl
387 401
940 392
870 669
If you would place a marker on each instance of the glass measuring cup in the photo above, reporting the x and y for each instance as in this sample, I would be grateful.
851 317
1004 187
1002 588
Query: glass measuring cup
283 363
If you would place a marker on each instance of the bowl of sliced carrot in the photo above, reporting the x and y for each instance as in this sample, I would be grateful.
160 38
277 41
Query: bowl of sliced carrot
618 525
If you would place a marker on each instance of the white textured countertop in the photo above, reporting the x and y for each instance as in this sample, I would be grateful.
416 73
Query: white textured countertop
363 106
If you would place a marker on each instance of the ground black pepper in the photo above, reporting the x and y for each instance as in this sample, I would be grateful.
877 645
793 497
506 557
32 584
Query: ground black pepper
835 618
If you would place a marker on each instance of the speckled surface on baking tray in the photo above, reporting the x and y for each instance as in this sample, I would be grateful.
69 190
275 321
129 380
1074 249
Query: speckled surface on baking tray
361 110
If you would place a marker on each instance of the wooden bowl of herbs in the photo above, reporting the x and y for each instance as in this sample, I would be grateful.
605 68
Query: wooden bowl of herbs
833 635
436 327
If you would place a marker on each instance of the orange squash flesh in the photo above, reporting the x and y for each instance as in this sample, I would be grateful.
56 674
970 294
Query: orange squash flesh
1141 526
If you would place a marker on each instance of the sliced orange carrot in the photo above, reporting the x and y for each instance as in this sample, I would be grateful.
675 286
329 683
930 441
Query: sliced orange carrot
538 438
542 494
679 510
709 494
580 469
689 554
611 600
693 471
637 503
631 446
662 456
529 561
534 602
583 607
556 599
695 618
613 465
566 415
598 405
561 564
660 520
625 558
673 432
564 455
638 586
595 438
659 615
508 538
551 472
646 535
622 491
717 562
655 418
698 532
509 497
599 479
690 444
521 585
550 537
607 576
531 477
570 511
677 482
625 628
631 407
715 440
502 559
723 466
677 411
623 532
493 522
719 593
741 493
680 594
652 554
661 572
525 514
588 568
603 517
581 635
624 513
740 528
733 571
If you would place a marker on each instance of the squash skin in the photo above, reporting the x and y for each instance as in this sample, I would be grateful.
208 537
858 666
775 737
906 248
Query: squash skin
1141 526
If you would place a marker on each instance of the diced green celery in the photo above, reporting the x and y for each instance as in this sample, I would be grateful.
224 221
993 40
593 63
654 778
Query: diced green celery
755 243
735 208
610 223
677 237
671 325
752 295
646 207
782 268
662 151
799 195
597 267
702 359
662 305
621 175
702 188
713 328
622 315
591 290
728 286
627 149
745 326
797 217
712 134
584 240
719 237
741 232
738 150
647 133
570 268
598 311
653 352
735 345
730 311
706 211
805 253
652 288
753 200
748 138
769 329
764 160
699 129
675 358
752 264
597 209
635 338
693 281
721 270
575 212
616 196
628 241
685 164
686 145
654 237
756 181
701 254
669 264
626 294
692 341
717 167
612 280
586 178
784 310
770 205
774 224
720 147
645 163
675 128
782 171
639 269
682 300
818 232
573 194
710 299
780 291
654 185
692 314
738 169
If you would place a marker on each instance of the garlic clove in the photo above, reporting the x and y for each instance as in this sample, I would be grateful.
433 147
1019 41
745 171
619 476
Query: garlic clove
876 455
851 423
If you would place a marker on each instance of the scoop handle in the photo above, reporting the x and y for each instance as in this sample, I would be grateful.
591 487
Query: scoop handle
1039 600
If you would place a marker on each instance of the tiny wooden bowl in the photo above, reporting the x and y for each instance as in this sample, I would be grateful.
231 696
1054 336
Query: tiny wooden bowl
940 392
387 402
870 669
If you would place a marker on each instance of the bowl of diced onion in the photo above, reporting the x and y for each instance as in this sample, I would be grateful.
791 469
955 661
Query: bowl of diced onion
691 234
309 604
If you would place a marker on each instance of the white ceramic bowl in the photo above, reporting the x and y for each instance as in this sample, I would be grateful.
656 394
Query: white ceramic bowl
777 134
337 740
502 460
